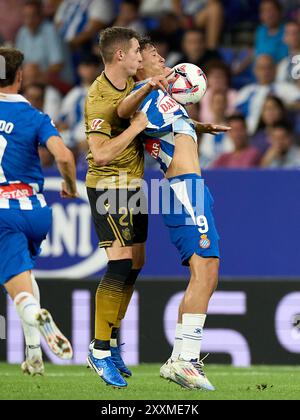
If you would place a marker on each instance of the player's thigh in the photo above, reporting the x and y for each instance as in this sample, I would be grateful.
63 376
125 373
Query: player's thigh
113 222
19 284
37 224
15 255
138 256
117 252
204 269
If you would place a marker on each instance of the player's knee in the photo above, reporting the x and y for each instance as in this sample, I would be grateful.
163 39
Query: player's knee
119 267
206 273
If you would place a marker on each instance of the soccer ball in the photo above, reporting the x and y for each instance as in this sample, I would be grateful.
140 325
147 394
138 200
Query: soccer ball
189 84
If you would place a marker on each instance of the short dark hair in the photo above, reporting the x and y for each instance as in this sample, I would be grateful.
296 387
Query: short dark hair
283 126
198 31
35 3
113 38
218 64
13 60
237 117
134 3
275 3
145 42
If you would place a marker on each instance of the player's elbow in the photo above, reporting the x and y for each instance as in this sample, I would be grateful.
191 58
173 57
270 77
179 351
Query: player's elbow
102 159
123 112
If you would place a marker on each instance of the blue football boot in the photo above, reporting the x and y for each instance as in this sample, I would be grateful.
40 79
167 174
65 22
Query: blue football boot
119 362
107 371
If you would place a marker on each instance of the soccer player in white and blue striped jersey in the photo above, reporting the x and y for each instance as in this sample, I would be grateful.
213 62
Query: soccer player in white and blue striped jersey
171 138
25 218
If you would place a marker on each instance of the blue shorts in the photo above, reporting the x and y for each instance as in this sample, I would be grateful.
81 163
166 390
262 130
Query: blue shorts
21 235
187 209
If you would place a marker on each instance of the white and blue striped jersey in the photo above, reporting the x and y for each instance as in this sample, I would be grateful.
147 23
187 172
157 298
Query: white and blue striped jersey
22 130
166 119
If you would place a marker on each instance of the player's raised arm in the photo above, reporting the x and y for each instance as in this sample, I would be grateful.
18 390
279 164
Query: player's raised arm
213 129
105 149
66 165
131 104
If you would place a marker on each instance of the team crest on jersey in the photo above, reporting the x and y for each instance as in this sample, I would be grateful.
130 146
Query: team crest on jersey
126 234
97 123
168 105
204 242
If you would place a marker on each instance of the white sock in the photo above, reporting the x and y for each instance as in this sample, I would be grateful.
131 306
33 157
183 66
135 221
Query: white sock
101 354
32 334
177 343
28 308
192 333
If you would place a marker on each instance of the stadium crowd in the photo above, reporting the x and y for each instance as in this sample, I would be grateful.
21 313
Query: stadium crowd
249 49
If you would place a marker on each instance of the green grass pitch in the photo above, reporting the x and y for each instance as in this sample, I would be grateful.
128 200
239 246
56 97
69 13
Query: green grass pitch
79 383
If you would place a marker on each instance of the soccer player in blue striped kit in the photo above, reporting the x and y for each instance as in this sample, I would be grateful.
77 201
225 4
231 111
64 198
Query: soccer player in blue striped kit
171 138
25 218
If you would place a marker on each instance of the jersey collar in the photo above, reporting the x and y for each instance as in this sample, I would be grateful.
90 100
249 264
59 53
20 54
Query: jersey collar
11 97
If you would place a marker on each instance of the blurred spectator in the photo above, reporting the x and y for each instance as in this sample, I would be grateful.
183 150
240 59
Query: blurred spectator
80 21
283 153
211 19
129 16
35 94
251 98
169 27
71 119
270 34
292 39
50 8
244 155
155 8
274 112
195 50
211 147
205 14
38 40
10 19
32 74
218 76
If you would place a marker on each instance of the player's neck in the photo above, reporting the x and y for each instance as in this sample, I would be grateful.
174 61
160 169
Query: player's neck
116 77
9 90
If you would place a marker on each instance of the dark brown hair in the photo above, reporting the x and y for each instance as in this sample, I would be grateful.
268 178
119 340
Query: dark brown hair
113 38
13 60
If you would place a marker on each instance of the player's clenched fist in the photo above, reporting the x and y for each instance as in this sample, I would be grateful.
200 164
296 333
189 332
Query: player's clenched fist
68 191
139 121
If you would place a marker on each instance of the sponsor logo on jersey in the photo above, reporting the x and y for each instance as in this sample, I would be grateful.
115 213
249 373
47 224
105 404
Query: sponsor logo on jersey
168 105
96 124
204 242
16 191
153 147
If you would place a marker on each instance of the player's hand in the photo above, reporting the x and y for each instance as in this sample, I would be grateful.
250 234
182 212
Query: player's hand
159 82
68 192
213 129
139 121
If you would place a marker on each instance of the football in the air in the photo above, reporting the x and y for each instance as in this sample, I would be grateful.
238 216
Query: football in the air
189 84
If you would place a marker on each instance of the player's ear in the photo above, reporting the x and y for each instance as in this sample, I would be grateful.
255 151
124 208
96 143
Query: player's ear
19 77
120 55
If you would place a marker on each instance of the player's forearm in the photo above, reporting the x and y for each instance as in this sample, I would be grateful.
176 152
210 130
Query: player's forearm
112 148
67 168
131 104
